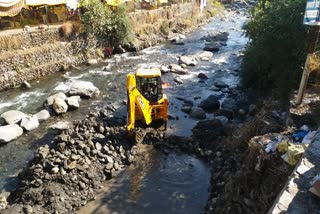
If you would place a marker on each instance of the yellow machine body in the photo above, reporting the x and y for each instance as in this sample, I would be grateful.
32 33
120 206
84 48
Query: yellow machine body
146 102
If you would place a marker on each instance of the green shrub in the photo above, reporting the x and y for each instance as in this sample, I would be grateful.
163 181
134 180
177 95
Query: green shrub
278 46
110 26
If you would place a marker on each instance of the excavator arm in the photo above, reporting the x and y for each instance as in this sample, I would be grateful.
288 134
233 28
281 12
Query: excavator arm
136 98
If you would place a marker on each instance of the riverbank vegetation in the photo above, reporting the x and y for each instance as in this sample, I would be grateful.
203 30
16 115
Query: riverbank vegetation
277 50
110 25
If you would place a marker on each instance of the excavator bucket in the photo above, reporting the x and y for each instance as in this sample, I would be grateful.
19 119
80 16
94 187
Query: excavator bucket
138 135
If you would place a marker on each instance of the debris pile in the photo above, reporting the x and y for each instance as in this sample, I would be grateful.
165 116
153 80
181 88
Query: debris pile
63 175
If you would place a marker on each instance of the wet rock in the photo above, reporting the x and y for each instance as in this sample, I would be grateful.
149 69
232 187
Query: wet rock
62 125
212 46
83 89
59 106
186 109
183 65
205 56
210 104
73 102
198 113
10 132
13 116
214 88
224 120
30 123
187 61
50 99
3 203
25 84
164 69
92 61
202 76
118 50
221 84
225 112
219 37
43 115
230 104
178 80
177 69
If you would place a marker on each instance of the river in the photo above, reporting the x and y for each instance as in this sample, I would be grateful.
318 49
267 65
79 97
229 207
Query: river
172 183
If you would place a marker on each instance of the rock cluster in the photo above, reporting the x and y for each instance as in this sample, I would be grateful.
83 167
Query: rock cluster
215 41
58 103
64 174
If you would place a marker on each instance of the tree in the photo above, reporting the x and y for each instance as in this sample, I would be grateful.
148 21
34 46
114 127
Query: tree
278 46
110 25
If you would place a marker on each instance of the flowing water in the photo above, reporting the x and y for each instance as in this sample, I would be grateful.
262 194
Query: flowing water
169 182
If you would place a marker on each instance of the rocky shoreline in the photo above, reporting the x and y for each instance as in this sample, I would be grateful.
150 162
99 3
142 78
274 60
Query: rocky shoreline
65 173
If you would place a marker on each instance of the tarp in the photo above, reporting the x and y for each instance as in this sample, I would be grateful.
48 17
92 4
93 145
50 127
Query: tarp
44 2
11 7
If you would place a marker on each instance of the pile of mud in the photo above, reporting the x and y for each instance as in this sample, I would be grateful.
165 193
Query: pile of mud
64 174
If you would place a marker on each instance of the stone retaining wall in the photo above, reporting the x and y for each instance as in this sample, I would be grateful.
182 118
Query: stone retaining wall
31 55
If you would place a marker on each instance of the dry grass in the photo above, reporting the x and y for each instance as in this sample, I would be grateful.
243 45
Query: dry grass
66 29
69 29
11 42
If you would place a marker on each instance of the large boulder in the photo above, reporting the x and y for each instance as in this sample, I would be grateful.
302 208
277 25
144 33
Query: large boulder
164 69
212 46
177 69
10 132
73 102
49 101
187 61
225 112
60 126
198 114
220 84
30 123
210 104
13 116
59 106
83 89
43 115
205 56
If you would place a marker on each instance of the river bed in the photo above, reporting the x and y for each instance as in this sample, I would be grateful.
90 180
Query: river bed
169 182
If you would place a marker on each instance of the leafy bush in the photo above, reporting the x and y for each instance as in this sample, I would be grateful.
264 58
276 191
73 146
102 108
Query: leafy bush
110 26
278 46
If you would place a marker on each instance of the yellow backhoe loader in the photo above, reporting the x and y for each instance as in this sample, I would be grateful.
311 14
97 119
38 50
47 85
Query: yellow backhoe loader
147 105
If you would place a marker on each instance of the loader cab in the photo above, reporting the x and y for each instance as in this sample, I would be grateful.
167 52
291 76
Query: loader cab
149 84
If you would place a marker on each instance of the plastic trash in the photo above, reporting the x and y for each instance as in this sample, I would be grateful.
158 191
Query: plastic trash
294 153
300 135
304 128
309 137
